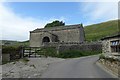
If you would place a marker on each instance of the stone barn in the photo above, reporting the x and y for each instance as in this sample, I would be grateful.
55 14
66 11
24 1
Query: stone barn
62 34
111 45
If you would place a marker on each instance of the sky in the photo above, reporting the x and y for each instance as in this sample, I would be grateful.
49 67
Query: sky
17 19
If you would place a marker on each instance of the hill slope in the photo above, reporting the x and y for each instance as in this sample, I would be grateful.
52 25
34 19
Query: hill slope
14 43
97 31
92 32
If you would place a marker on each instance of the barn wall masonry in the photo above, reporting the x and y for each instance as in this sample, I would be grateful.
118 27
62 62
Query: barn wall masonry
63 34
111 45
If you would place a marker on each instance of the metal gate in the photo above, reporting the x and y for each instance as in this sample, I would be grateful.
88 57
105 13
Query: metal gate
31 51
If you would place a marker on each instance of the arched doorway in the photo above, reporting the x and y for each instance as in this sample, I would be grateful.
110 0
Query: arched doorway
46 39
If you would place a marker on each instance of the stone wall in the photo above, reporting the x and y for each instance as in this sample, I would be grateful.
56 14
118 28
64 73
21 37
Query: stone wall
70 35
55 44
5 57
106 47
96 46
0 56
112 66
81 47
35 40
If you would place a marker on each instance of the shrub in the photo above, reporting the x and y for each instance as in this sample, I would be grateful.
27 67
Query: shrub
51 51
9 49
25 60
48 51
13 51
76 53
102 56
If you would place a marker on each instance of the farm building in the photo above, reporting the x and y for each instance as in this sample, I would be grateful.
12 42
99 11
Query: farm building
111 45
69 34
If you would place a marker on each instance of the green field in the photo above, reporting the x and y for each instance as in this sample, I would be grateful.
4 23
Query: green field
15 43
97 31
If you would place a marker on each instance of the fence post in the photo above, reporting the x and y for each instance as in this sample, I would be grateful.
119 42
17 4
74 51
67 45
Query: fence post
22 52
29 51
35 52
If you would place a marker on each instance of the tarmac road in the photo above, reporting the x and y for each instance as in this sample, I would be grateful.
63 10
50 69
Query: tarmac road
84 67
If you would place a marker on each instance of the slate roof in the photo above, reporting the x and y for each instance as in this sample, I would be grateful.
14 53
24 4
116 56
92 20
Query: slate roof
113 36
57 28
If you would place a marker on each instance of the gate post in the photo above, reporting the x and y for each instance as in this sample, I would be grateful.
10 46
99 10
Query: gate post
21 52
35 52
57 49
29 52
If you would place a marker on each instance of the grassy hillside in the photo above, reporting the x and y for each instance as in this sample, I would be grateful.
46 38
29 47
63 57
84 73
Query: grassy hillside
8 41
97 31
92 32
14 43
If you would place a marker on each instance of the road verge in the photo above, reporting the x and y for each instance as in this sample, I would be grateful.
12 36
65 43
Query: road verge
112 69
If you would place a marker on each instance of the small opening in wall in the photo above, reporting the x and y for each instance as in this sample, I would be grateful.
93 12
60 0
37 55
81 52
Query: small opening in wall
46 39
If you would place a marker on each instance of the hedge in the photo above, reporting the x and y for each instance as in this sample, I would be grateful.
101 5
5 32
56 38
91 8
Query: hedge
49 51
10 49
13 51
77 53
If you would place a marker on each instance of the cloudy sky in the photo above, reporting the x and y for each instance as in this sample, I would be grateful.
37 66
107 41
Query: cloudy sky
18 18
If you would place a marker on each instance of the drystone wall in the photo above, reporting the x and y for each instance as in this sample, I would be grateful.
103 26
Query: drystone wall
76 46
81 47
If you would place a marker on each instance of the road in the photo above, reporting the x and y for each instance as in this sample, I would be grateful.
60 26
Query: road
84 67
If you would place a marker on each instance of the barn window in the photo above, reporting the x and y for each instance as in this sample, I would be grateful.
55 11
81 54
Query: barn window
115 46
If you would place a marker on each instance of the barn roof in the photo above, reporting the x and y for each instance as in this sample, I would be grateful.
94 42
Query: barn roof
113 36
57 28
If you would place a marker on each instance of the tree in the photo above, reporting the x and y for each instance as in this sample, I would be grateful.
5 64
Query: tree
55 23
81 24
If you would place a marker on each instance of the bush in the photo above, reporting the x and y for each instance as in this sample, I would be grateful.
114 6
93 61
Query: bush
25 60
48 51
76 53
51 51
9 49
54 24
13 51
101 56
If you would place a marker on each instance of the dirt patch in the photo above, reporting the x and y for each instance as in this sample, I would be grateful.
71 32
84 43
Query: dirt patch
32 68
